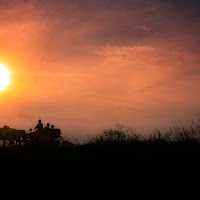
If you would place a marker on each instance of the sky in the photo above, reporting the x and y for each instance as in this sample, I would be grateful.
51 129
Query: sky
86 65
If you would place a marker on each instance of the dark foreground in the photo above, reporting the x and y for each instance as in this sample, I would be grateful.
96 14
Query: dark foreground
94 155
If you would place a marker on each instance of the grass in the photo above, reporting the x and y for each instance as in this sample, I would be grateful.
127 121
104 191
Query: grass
115 147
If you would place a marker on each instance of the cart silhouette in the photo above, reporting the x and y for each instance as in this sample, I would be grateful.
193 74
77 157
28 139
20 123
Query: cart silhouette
45 136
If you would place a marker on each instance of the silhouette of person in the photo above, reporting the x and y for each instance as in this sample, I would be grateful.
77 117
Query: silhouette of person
47 126
39 126
52 126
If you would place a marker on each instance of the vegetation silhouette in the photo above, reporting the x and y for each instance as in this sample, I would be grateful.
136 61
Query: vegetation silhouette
119 146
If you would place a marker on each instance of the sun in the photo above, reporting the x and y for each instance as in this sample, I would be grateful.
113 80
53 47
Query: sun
4 77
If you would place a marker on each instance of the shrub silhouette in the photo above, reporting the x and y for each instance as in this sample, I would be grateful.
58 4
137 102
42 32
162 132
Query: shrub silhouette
177 133
119 134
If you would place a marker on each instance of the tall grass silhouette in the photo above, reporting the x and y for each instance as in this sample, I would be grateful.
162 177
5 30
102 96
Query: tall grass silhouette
179 133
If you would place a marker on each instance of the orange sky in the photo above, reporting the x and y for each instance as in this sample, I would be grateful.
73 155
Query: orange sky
86 65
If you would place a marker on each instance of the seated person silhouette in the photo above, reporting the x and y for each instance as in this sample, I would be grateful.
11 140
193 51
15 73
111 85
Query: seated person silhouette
39 126
52 126
47 126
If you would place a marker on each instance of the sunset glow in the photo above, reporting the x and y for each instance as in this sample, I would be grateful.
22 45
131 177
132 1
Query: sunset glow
84 65
4 77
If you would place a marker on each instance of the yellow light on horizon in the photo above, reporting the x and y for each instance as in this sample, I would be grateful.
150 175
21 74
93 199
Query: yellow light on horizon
4 77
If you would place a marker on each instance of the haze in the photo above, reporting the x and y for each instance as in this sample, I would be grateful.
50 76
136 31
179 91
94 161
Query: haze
86 65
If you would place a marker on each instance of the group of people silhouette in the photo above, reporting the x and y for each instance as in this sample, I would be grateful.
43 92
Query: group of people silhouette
39 126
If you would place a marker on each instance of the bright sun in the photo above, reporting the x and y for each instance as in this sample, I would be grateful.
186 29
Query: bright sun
4 77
